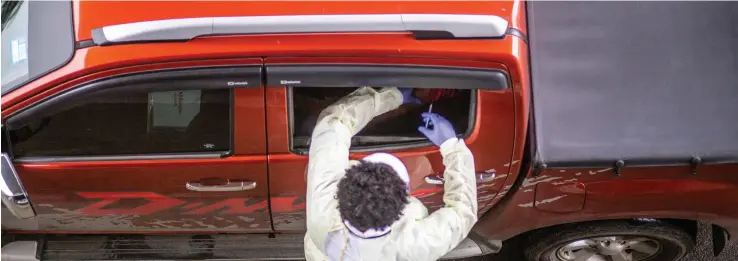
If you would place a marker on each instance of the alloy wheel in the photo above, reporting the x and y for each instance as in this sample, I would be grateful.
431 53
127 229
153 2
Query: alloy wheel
609 248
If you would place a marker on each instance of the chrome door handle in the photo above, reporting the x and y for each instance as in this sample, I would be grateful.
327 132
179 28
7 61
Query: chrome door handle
229 186
486 176
434 179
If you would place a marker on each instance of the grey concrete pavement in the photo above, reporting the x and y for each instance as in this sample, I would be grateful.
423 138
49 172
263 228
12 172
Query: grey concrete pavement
703 250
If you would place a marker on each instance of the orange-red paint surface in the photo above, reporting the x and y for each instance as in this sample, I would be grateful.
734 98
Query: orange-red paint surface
94 14
491 137
143 195
648 192
149 196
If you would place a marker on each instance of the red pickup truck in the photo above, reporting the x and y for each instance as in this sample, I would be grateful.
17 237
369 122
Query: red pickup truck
179 130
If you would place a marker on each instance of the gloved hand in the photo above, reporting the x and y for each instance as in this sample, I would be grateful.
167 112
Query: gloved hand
407 96
442 129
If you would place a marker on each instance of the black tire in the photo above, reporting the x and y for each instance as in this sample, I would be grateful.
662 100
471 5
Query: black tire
675 242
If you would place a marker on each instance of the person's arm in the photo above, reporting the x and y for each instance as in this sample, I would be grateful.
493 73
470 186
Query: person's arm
329 151
434 236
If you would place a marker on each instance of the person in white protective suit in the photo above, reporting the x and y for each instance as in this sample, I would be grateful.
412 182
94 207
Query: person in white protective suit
362 210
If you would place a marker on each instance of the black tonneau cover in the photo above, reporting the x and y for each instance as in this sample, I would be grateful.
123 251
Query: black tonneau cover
648 83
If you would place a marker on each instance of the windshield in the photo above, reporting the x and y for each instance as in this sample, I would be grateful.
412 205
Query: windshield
37 37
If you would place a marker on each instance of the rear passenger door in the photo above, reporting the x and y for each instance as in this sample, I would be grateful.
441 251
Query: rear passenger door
173 150
474 96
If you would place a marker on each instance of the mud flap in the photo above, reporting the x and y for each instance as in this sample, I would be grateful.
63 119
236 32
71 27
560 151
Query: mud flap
720 238
486 245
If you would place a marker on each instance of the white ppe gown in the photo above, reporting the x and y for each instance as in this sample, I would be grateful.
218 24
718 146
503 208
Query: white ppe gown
416 235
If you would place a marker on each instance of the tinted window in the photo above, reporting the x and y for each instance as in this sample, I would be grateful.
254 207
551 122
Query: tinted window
37 37
129 122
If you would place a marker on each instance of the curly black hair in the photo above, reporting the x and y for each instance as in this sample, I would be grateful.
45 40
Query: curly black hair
371 195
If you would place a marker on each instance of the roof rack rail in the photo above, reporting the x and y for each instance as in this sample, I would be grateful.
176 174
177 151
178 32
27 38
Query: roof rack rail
423 26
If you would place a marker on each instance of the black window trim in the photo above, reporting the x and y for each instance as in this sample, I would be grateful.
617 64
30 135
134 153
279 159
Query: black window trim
401 75
249 72
375 148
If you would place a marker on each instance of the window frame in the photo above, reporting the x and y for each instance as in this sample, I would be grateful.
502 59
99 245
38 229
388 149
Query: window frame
292 76
375 148
193 78
403 75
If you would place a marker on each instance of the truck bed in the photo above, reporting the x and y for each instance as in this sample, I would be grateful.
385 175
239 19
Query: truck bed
645 83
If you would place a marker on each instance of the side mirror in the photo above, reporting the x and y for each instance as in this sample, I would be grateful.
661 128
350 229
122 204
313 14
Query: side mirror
13 194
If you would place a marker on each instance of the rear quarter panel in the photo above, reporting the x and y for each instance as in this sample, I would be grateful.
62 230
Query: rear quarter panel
639 192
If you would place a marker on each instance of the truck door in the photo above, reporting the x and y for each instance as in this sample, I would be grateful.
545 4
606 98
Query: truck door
475 96
169 150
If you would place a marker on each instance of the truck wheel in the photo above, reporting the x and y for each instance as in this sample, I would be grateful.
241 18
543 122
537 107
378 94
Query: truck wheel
609 240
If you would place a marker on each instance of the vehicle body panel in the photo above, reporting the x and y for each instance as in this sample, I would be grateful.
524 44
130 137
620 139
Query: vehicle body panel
68 195
640 179
144 196
96 59
92 15
639 192
123 196
288 171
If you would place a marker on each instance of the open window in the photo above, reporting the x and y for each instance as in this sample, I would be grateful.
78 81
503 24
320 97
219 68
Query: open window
395 128
452 91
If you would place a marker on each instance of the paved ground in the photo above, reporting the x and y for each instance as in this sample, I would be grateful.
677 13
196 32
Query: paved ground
702 252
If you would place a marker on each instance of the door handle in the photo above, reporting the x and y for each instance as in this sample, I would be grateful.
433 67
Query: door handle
434 179
483 177
486 176
228 186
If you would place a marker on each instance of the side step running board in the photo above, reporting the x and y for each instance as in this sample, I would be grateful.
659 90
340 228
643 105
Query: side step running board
20 251
177 247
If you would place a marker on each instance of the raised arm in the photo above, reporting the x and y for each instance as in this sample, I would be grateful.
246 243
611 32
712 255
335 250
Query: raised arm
441 231
329 151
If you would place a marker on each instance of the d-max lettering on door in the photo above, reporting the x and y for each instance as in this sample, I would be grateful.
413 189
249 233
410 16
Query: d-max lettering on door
156 203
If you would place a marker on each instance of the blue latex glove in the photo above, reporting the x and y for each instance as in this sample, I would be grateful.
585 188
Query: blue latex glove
407 96
442 129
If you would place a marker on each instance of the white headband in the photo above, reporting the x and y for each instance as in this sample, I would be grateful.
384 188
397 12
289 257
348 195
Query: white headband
393 162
